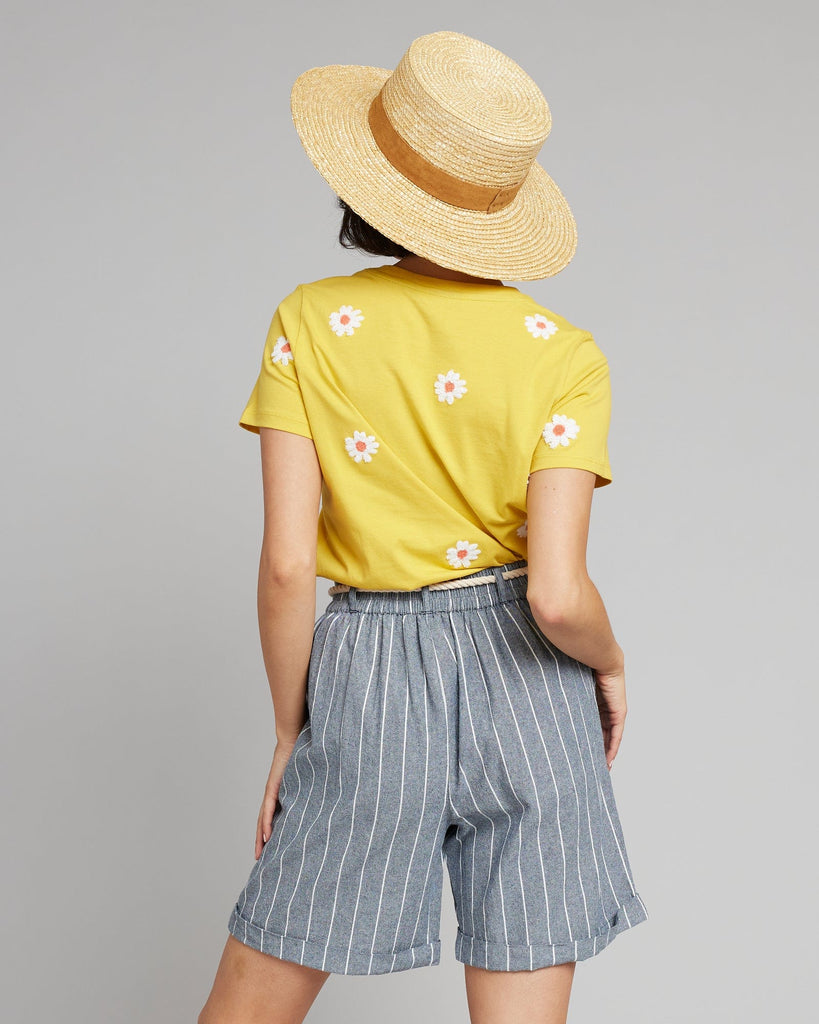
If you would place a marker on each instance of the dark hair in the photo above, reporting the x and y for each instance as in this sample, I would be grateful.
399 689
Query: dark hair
356 233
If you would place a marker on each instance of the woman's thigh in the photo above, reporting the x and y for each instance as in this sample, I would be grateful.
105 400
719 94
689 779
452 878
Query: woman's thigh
519 997
252 987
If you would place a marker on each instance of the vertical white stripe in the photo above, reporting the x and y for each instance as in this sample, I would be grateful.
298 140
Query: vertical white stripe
341 787
620 849
385 703
462 876
316 690
424 890
582 758
463 677
262 861
397 820
299 832
593 761
327 719
429 917
292 839
474 828
277 832
357 784
450 648
534 785
423 807
545 750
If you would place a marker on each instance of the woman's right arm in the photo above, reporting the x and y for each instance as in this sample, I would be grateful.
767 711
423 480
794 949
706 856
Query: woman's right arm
565 603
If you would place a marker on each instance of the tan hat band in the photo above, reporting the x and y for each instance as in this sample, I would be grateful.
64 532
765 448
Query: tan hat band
427 176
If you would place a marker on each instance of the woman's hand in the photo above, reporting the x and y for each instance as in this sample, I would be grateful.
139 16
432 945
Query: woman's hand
610 692
264 825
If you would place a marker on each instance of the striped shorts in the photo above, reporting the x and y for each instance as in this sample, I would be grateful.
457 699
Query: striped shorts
443 726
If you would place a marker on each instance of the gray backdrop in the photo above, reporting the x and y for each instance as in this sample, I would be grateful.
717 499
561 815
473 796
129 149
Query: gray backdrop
157 206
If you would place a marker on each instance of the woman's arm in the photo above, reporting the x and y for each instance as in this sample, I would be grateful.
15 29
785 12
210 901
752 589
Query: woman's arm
564 601
291 477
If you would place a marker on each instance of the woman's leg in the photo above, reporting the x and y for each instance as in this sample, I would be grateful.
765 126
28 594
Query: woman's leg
256 988
519 997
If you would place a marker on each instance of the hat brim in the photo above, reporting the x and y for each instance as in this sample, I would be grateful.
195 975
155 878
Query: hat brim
535 236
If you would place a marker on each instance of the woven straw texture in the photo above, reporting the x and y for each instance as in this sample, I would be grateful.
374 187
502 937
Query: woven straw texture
470 110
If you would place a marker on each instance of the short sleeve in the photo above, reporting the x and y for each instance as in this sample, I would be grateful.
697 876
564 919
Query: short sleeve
576 431
276 399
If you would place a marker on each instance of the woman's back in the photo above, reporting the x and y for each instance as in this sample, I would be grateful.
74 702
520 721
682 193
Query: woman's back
429 401
461 699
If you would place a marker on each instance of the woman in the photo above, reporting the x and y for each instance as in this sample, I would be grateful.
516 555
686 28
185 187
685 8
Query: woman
431 439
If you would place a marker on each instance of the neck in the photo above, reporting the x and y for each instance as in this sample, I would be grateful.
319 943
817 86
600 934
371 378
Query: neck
419 265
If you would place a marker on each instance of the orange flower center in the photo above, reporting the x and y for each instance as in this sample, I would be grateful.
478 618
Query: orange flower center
449 386
558 428
344 318
462 552
361 445
286 347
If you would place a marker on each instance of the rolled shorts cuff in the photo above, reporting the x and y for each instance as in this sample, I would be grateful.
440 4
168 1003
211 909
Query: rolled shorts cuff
336 959
497 956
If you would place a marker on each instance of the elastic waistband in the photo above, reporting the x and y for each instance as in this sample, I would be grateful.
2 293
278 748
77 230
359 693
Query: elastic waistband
432 598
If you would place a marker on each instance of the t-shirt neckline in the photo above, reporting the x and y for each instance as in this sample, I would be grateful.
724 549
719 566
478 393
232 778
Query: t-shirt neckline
472 289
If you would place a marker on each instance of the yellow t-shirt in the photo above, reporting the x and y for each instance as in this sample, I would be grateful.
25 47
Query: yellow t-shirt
429 403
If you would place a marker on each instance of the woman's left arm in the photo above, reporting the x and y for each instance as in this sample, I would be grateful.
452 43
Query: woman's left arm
291 478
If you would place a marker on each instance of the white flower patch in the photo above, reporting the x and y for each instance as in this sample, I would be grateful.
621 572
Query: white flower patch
281 351
462 554
361 446
449 386
539 326
523 529
345 320
560 430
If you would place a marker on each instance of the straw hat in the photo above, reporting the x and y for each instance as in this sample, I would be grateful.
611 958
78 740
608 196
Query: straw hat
439 155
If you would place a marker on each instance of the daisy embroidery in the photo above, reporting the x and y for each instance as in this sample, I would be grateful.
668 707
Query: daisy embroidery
560 430
361 446
523 529
281 352
345 320
539 326
449 386
462 554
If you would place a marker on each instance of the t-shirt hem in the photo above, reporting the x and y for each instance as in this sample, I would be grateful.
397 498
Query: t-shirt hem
292 426
603 473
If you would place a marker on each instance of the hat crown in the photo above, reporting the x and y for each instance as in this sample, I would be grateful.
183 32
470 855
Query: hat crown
467 108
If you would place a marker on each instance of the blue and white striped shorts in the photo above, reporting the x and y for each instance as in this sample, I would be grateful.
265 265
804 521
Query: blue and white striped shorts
443 726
